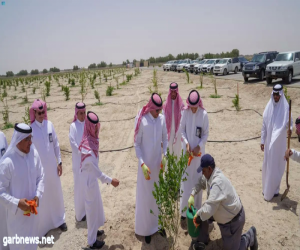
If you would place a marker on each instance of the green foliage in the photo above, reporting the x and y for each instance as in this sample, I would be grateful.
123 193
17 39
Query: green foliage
128 77
45 71
34 72
67 92
117 81
47 84
236 103
101 65
54 69
75 67
233 53
137 71
123 83
5 115
97 96
4 94
23 73
154 80
170 57
25 98
287 97
201 80
92 66
26 117
187 76
214 81
109 90
166 195
110 65
33 90
9 74
83 86
105 77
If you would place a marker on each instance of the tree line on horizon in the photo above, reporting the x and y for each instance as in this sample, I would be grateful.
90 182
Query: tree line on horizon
161 59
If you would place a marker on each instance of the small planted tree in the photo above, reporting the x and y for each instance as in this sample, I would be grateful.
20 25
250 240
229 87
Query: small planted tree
67 93
26 117
287 97
5 115
47 85
117 81
201 80
167 196
214 81
236 100
25 98
33 90
97 96
187 76
154 80
109 90
83 86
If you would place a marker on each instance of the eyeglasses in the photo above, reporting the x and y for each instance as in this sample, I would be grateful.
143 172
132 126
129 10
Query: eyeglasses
40 113
28 139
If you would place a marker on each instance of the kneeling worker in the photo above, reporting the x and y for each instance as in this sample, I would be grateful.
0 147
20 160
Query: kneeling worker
224 205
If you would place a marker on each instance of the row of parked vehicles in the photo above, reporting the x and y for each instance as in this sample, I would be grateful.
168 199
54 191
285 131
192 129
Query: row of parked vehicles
270 65
213 66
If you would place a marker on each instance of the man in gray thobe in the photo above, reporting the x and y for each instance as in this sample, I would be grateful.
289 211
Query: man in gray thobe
224 205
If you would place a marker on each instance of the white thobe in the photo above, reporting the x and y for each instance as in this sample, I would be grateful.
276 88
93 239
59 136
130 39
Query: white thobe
274 163
188 126
75 136
3 212
152 132
174 146
295 156
93 202
21 176
52 210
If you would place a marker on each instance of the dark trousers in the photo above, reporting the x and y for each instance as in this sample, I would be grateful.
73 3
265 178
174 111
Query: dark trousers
231 233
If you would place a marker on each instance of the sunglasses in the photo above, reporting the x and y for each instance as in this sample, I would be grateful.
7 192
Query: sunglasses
41 113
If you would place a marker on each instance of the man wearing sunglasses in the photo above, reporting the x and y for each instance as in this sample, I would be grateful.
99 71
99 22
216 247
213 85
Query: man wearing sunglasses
273 142
52 210
21 180
150 132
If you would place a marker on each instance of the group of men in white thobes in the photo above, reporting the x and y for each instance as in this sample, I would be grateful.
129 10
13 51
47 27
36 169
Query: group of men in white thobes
30 169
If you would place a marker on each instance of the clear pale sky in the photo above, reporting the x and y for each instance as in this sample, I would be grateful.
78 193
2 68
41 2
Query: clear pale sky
62 33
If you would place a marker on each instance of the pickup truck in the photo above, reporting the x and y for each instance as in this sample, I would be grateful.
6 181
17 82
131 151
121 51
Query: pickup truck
183 63
285 66
198 67
226 65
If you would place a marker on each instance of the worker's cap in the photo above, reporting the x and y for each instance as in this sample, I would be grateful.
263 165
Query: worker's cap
206 161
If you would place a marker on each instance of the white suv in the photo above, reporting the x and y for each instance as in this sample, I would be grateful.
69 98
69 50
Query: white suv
285 66
226 65
208 67
167 66
182 64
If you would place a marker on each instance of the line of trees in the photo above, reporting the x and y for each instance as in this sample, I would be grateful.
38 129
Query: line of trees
99 65
54 69
75 67
34 72
233 53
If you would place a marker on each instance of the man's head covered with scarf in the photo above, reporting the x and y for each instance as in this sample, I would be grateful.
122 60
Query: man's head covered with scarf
90 138
38 111
194 101
154 106
173 97
79 112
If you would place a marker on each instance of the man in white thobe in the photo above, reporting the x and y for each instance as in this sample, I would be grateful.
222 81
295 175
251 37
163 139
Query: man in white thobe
3 215
273 142
292 153
194 130
172 110
52 210
21 180
90 173
150 132
75 137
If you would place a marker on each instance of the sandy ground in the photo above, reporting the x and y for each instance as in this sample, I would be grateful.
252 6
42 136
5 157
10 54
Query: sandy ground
277 222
